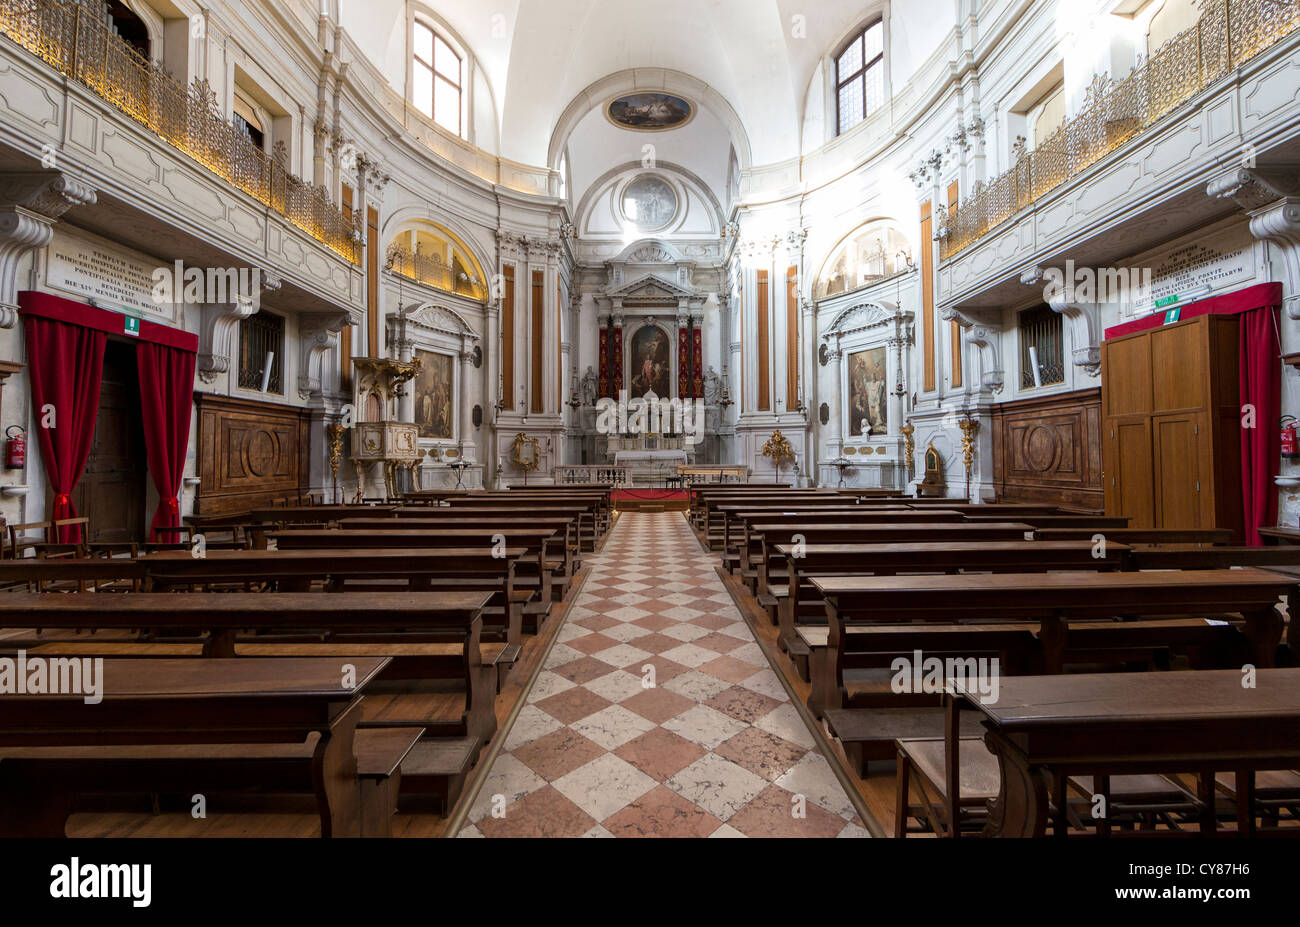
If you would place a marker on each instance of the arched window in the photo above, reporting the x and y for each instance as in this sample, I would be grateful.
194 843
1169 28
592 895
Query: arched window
435 257
874 251
860 76
437 75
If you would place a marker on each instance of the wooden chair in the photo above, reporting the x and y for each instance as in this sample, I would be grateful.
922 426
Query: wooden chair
20 544
928 766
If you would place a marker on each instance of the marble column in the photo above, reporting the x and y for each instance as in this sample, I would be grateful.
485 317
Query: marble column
466 431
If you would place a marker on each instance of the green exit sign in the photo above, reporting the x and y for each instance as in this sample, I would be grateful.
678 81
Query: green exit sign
1172 316
1167 301
132 326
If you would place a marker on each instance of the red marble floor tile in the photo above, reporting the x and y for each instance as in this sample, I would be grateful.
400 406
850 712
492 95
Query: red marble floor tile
742 704
583 670
592 643
660 753
573 705
661 812
729 669
771 814
558 753
761 753
544 813
658 704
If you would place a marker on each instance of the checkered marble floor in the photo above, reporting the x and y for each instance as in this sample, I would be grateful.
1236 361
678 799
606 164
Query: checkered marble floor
657 715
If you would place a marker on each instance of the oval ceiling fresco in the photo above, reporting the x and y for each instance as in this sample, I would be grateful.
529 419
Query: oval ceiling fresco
650 112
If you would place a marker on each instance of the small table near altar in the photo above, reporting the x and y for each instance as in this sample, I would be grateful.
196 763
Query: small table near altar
651 466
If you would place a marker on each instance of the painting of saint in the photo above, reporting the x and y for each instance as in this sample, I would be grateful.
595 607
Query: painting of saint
651 370
868 389
433 395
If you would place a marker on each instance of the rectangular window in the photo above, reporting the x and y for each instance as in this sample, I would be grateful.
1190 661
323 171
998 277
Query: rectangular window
261 337
1041 338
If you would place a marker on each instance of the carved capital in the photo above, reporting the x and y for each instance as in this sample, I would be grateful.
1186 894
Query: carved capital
318 336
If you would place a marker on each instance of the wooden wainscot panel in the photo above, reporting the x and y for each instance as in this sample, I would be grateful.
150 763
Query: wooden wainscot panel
1048 449
250 453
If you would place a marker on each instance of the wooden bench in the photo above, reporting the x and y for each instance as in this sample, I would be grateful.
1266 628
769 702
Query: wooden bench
764 537
800 603
1042 616
184 724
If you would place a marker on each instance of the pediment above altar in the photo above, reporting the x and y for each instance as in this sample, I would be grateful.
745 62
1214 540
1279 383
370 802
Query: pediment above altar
650 287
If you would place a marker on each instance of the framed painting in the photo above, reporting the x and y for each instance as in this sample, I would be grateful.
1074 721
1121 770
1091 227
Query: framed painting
868 393
434 412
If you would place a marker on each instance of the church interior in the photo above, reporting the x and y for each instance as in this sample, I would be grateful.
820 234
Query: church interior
563 418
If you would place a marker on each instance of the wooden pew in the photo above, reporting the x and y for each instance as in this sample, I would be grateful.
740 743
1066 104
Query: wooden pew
1062 611
1096 523
185 725
427 636
559 552
799 602
764 536
1042 729
531 608
563 551
1143 536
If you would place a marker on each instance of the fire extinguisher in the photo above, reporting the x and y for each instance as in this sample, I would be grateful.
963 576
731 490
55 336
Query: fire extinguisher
15 447
1290 448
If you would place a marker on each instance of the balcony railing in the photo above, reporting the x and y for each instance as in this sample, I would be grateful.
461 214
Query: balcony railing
1229 33
69 37
432 271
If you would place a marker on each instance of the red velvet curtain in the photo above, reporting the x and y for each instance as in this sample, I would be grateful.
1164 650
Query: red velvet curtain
1261 387
66 366
166 389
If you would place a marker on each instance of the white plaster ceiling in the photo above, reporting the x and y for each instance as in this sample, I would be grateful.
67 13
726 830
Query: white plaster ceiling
538 56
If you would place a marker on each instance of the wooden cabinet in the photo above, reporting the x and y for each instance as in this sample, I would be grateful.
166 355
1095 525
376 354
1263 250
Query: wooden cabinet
1171 425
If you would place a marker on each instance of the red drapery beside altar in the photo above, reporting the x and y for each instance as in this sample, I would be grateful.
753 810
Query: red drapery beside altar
604 384
65 352
617 350
1260 388
697 362
683 361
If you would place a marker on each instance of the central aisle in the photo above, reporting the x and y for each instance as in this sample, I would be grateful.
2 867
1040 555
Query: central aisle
712 748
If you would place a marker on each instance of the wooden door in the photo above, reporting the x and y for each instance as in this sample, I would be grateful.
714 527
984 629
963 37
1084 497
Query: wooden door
1129 478
111 492
1178 441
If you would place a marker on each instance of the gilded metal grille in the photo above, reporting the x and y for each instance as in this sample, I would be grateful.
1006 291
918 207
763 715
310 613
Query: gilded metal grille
1229 33
1041 329
431 270
259 335
77 41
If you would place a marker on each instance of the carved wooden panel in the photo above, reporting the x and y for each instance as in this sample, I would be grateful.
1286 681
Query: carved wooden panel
250 453
1049 450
